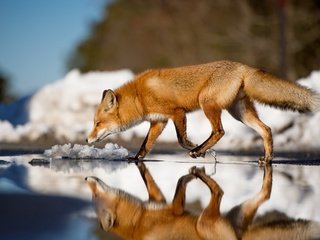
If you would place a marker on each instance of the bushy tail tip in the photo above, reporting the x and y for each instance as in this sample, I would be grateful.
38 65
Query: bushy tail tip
315 103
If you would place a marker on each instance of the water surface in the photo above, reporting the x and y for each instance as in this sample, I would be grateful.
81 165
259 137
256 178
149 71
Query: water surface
51 199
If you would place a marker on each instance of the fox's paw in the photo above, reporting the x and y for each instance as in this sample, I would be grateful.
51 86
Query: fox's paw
192 170
141 165
266 160
195 154
197 171
133 160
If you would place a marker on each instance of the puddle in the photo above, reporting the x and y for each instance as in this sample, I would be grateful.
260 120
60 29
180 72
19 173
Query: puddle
36 189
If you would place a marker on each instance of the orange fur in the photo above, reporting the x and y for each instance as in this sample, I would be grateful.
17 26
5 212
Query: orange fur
130 218
159 95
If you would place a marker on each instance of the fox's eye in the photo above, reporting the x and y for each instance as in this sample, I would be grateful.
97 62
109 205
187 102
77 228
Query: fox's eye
98 124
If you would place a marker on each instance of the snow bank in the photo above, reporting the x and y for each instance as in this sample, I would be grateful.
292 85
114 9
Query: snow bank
64 110
110 151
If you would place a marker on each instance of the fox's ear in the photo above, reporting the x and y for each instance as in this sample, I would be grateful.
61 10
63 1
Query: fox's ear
107 219
109 99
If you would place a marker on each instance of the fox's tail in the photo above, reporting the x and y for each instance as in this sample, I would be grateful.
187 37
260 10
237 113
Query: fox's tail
268 89
290 229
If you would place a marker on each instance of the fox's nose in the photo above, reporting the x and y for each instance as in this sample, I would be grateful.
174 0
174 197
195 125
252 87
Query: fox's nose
90 140
91 179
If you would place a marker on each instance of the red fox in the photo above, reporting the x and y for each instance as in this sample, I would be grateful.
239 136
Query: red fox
159 95
130 218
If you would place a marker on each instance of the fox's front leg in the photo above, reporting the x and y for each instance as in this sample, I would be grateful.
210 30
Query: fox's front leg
155 130
179 198
212 211
154 191
213 113
206 223
180 122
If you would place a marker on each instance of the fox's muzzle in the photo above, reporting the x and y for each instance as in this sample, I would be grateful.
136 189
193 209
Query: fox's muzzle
96 184
101 135
90 140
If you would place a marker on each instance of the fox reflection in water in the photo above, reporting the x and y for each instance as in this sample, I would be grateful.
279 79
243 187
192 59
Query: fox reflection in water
131 218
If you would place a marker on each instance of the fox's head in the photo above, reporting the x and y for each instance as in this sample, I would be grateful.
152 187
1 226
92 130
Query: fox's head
113 206
106 119
105 201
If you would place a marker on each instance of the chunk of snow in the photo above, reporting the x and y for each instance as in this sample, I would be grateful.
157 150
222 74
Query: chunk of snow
77 151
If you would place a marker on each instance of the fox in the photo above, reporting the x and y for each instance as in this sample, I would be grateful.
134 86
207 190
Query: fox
131 218
161 94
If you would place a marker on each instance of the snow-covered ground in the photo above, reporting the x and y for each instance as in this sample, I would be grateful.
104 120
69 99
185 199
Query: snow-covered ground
65 109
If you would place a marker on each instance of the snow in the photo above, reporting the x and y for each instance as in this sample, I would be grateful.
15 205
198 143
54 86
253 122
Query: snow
78 151
64 110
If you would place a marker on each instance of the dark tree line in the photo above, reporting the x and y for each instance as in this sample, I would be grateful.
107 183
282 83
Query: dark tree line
141 34
4 96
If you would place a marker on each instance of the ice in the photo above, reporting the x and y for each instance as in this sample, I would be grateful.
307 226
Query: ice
78 151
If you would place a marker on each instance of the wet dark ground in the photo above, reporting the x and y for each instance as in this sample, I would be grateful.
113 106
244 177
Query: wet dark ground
51 199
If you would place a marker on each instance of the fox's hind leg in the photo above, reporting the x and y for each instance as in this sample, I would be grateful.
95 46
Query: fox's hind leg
154 191
179 198
244 111
242 215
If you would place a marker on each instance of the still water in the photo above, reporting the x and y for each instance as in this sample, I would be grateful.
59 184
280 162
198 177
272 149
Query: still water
51 200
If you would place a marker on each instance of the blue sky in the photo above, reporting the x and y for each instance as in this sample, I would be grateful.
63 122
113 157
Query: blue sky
37 37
